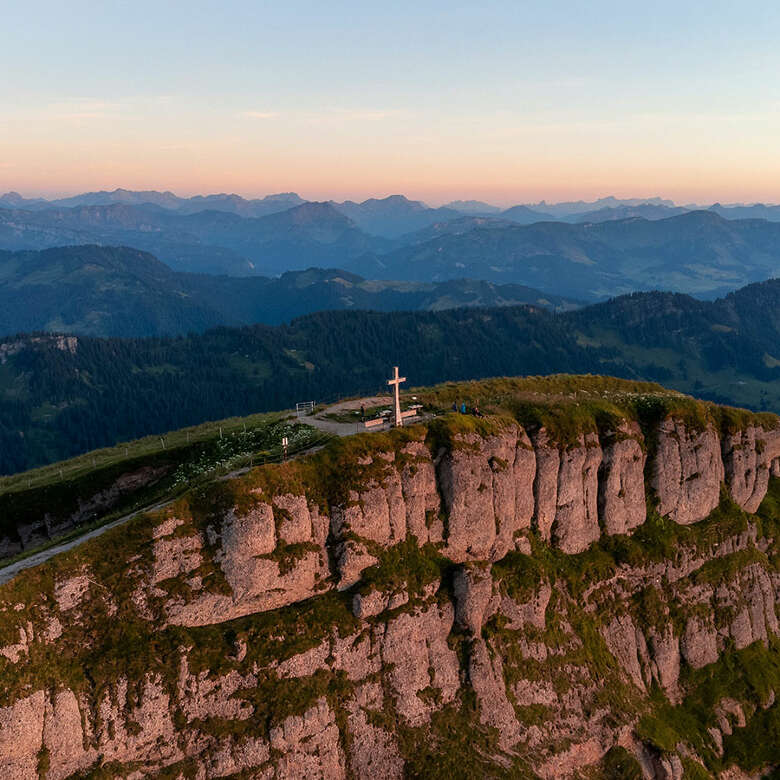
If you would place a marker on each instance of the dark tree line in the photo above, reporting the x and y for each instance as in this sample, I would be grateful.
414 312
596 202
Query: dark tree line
54 404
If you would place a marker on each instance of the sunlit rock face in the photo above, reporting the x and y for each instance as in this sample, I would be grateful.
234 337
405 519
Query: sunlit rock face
687 472
750 456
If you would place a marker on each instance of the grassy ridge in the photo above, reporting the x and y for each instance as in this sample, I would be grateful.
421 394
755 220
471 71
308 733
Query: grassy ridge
139 474
566 405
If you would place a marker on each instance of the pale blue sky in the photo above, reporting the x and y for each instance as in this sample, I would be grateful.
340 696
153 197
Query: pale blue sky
504 101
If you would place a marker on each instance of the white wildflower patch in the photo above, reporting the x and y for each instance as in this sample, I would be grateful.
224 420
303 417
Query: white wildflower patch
241 448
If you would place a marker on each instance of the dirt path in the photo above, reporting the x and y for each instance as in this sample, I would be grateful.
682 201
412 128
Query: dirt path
320 422
333 427
9 572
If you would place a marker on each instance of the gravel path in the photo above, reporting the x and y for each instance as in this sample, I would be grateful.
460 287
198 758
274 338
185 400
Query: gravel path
9 572
333 427
321 422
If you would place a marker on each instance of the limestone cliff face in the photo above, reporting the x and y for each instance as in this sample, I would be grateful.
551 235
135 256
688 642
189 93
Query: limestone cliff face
687 471
566 491
621 487
749 457
486 486
352 614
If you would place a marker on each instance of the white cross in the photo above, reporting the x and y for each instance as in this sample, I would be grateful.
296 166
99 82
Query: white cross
395 382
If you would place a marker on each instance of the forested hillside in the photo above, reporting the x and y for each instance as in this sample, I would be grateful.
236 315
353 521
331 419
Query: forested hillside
56 402
61 397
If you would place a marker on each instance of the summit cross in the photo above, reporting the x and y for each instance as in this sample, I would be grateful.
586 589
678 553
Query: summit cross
395 383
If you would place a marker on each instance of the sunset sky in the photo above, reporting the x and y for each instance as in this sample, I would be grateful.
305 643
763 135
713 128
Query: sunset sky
503 101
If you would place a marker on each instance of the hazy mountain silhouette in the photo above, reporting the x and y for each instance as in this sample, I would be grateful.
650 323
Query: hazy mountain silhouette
118 291
696 252
473 207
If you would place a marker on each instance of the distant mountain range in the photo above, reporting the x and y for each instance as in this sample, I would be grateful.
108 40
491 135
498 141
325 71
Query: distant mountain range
62 396
641 211
573 208
395 215
392 217
206 242
697 252
590 254
472 207
233 204
123 292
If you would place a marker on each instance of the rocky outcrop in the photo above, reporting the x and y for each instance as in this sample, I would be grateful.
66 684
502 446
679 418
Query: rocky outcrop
664 650
373 750
266 649
622 506
21 726
60 734
486 486
576 524
687 471
566 490
473 591
309 745
132 723
748 457
752 603
628 645
414 660
269 556
415 650
699 643
486 675
475 499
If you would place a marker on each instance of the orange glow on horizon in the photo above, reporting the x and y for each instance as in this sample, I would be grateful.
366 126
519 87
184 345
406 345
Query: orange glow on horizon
503 176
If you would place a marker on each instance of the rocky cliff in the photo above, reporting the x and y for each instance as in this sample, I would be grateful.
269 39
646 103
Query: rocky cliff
578 584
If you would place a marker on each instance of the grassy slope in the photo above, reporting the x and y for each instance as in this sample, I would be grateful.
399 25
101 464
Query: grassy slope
182 458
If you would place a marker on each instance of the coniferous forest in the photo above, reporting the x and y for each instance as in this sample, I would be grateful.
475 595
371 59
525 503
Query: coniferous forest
57 402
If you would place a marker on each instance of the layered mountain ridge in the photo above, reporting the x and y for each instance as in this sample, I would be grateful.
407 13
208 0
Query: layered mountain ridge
122 292
592 256
584 579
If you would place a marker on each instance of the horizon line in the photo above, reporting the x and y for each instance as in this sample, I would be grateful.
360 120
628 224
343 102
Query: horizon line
502 205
